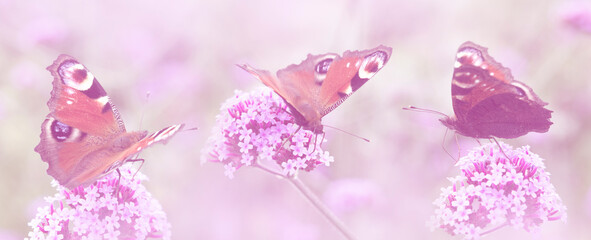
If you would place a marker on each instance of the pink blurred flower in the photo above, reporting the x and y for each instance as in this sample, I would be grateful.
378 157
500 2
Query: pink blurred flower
494 191
588 204
253 126
9 235
95 212
140 46
169 76
349 195
43 30
24 74
299 231
2 111
577 15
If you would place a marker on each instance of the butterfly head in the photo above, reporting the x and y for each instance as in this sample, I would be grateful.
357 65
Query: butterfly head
451 122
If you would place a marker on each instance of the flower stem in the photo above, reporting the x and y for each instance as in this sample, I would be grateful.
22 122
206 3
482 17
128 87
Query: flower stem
266 169
494 229
332 218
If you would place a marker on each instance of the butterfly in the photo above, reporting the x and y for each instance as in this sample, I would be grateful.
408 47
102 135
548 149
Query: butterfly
83 137
488 102
321 83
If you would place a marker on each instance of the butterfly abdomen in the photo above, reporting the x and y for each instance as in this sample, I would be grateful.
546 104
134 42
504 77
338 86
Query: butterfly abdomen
124 141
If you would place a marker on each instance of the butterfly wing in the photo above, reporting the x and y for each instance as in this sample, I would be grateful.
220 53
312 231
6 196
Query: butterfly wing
348 73
96 164
83 135
320 83
78 99
81 119
77 158
507 116
296 84
487 101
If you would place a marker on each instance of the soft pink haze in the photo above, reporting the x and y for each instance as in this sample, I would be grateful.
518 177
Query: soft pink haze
184 53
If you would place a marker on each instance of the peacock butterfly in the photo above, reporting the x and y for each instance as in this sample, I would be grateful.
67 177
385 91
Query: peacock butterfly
488 102
321 83
83 137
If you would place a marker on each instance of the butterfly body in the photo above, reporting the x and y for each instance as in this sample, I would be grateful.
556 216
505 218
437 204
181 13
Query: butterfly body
83 137
488 102
321 83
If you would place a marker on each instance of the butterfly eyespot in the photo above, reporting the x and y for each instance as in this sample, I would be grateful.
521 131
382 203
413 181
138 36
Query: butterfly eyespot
323 66
469 56
79 75
521 92
372 63
75 75
60 131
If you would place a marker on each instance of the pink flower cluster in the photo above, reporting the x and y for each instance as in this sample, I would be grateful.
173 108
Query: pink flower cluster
95 212
256 127
495 191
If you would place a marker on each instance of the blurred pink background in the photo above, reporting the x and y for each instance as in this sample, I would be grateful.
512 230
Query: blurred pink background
184 52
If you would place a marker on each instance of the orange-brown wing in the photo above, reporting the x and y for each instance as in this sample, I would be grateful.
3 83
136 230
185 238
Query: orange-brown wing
296 84
75 157
82 119
320 83
96 164
78 100
348 73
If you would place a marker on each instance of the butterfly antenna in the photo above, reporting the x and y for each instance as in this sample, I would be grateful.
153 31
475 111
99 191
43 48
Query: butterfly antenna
191 129
144 108
416 109
351 134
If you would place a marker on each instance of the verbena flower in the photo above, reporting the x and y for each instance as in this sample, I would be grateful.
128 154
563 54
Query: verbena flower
95 212
257 127
494 191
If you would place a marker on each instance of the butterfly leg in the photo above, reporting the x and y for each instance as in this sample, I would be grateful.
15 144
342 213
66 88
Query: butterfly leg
443 146
118 184
316 141
458 144
321 140
289 138
500 148
138 169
